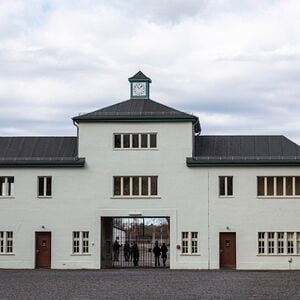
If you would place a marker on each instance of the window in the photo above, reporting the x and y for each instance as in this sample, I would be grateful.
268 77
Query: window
278 186
189 242
290 242
279 243
6 186
226 186
135 140
271 242
6 242
80 242
44 186
261 242
135 186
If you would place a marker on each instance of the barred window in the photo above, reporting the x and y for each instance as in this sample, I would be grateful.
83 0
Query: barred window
135 140
135 186
261 242
278 186
185 242
280 242
271 242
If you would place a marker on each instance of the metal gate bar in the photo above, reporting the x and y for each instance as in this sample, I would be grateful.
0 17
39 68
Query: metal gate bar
142 232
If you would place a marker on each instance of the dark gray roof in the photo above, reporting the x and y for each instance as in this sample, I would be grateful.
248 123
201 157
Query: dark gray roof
139 76
235 150
39 151
138 110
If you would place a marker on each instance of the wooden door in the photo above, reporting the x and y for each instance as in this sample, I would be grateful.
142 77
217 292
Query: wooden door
227 250
43 249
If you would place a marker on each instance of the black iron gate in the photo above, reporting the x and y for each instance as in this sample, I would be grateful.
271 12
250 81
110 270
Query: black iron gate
129 242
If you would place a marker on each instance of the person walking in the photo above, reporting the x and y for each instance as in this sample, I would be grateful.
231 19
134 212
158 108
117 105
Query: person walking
135 254
116 250
156 251
126 251
164 250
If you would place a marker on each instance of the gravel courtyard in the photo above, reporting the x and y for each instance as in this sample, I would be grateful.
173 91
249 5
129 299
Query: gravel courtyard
148 284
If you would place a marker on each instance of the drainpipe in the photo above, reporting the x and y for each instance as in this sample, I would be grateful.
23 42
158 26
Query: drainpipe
208 219
77 130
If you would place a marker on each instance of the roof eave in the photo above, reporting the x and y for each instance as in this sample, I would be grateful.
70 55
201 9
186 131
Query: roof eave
78 163
192 163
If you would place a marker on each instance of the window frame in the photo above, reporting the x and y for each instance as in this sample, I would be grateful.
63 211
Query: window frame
7 242
265 187
152 180
190 243
81 239
131 143
6 188
226 184
285 243
45 177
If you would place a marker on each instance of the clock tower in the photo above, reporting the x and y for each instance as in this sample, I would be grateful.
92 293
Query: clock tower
139 86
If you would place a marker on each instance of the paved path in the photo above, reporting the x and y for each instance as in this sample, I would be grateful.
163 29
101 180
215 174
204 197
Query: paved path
148 284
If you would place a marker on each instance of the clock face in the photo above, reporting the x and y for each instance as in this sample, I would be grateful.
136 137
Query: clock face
139 89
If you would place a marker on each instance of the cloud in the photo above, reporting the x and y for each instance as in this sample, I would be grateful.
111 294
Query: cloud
234 63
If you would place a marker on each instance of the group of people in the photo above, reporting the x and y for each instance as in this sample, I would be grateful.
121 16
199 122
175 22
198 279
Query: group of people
132 253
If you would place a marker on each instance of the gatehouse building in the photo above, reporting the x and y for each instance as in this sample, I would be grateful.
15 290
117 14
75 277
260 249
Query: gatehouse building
140 172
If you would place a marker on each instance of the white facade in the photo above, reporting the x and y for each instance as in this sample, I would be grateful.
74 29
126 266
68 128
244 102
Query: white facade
189 196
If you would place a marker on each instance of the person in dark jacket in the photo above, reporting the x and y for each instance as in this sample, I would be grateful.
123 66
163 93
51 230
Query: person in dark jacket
135 254
126 251
156 251
164 250
116 250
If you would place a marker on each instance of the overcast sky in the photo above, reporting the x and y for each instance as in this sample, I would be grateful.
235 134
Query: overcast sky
234 63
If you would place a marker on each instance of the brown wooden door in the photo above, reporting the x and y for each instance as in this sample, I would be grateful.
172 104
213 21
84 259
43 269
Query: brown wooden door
43 249
227 250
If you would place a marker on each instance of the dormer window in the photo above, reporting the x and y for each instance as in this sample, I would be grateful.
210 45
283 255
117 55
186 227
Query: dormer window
135 141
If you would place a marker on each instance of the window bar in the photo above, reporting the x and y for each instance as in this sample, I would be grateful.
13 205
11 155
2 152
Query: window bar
148 140
140 185
265 186
121 181
266 243
294 185
285 243
295 241
275 241
5 186
226 186
122 141
130 186
140 141
284 186
275 189
149 185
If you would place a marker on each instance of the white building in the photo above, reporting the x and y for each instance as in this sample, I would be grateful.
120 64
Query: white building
228 201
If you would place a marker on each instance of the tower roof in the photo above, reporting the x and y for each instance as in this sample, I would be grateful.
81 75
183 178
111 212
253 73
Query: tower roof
138 110
139 76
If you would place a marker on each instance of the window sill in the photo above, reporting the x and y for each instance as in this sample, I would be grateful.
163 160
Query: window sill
277 255
7 197
81 254
278 197
190 254
7 254
44 197
229 197
135 197
135 149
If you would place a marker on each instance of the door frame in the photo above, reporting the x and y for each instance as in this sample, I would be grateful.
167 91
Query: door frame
235 246
35 247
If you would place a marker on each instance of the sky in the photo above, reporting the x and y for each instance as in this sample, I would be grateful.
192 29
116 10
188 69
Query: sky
233 63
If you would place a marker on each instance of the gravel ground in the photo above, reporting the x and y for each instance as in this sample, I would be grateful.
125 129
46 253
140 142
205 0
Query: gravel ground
148 284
